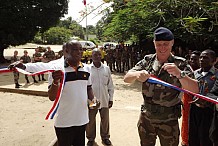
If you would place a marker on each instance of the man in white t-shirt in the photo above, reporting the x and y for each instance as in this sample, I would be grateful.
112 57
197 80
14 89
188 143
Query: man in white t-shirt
72 114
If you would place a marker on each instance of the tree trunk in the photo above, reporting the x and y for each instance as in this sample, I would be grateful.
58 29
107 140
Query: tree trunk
2 58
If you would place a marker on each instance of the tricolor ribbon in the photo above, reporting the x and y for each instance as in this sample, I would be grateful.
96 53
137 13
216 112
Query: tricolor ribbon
54 108
158 81
55 105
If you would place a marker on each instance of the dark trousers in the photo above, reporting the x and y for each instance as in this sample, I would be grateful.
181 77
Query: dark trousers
69 136
199 124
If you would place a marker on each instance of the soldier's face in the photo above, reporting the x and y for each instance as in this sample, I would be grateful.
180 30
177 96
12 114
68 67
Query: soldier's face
163 49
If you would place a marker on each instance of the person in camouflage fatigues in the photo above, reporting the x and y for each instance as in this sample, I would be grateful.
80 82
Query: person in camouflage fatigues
26 59
117 56
161 107
37 57
49 55
125 59
16 74
109 57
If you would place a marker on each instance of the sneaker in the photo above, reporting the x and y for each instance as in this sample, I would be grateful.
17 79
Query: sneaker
106 142
90 143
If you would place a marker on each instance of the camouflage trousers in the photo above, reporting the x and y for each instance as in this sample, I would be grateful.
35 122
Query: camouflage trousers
167 131
16 77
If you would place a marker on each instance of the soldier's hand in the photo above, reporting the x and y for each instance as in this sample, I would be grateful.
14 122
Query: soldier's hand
57 76
143 76
172 69
18 64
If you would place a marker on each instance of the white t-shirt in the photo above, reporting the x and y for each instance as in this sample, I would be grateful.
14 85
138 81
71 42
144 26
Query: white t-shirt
73 108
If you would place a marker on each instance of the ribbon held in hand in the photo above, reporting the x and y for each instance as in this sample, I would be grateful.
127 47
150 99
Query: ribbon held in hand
158 81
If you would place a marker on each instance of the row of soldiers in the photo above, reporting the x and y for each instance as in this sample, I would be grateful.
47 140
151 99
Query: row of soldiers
122 58
37 57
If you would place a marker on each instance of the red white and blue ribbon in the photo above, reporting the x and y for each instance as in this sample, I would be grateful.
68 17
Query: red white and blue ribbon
4 70
54 108
158 81
55 105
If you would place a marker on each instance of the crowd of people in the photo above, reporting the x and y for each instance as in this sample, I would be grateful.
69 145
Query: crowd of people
48 56
162 105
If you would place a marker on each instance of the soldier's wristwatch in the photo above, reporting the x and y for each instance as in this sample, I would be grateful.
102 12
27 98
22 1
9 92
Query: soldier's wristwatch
182 75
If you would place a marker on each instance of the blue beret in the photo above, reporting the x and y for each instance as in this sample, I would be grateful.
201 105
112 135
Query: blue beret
163 34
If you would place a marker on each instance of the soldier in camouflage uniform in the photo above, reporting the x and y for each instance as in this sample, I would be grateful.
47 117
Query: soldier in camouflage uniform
109 57
25 59
37 57
125 59
49 55
117 56
161 108
16 74
133 57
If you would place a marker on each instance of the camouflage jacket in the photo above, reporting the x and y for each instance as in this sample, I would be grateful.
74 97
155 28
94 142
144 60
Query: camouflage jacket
158 94
25 59
36 57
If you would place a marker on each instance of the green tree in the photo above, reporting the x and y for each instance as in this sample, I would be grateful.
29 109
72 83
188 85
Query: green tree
194 23
57 35
76 29
22 19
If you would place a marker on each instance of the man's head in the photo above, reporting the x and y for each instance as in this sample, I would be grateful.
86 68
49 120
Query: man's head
25 52
194 59
36 50
207 59
163 42
96 55
73 52
15 53
49 48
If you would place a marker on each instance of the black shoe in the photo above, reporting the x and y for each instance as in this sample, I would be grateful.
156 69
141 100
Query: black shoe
16 86
19 84
35 81
106 142
90 143
44 79
27 81
39 79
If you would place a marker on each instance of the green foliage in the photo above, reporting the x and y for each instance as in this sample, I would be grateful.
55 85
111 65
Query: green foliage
76 29
193 22
57 35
